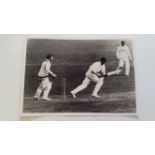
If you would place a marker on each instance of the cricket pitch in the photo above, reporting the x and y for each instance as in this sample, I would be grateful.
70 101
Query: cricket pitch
117 102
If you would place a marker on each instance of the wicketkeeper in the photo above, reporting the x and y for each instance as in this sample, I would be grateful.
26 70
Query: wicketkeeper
45 83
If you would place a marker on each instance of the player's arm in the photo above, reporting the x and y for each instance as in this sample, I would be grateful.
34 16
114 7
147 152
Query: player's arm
103 71
118 53
49 70
129 53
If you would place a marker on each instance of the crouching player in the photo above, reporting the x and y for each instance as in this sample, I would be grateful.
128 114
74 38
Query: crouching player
96 74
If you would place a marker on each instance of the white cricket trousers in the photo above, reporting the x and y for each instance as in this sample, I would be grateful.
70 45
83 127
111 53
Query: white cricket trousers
44 86
86 81
125 62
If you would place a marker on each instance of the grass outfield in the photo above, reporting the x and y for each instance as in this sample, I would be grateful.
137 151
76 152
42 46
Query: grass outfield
123 102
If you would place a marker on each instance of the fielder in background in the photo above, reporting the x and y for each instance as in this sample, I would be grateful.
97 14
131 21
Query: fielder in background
95 73
124 56
44 75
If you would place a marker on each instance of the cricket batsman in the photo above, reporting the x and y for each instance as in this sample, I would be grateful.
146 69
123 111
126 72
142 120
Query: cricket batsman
45 75
96 74
124 56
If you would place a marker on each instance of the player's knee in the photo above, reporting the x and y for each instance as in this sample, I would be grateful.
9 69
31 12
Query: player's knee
97 80
120 68
100 82
39 90
49 87
84 85
42 87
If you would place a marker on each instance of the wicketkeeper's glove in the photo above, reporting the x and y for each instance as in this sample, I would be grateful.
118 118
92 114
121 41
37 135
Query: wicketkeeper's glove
51 77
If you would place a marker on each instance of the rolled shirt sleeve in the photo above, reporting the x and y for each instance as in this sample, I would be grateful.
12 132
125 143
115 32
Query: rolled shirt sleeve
118 53
103 70
128 52
48 68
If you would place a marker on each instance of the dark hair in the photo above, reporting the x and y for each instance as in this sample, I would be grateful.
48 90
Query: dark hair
123 42
103 59
48 56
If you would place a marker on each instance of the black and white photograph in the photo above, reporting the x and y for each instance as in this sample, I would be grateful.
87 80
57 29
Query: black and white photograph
79 76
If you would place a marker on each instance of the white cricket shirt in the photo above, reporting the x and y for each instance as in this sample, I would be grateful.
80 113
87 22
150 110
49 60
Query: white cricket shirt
97 68
45 68
123 52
